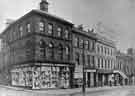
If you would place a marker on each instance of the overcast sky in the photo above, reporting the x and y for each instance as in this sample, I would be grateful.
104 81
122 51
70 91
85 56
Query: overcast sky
118 16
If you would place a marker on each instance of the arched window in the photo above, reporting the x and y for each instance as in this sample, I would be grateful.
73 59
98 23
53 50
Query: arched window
66 34
59 31
60 51
50 50
42 48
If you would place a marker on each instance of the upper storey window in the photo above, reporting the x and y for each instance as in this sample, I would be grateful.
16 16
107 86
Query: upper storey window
76 42
81 43
28 27
41 26
66 34
21 30
59 31
50 28
86 44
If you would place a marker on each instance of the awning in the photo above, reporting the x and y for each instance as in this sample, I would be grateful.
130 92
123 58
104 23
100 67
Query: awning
104 71
121 73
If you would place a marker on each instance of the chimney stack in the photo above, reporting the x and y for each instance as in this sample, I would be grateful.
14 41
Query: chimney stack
44 5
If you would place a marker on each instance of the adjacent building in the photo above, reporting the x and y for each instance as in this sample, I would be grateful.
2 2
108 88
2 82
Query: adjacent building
105 61
84 55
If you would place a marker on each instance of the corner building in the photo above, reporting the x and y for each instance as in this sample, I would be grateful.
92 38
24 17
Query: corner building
39 52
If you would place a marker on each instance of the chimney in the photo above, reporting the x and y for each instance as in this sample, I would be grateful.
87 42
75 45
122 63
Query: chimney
9 21
80 27
44 5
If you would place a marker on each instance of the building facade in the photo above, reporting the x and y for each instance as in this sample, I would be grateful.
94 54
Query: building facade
105 61
84 56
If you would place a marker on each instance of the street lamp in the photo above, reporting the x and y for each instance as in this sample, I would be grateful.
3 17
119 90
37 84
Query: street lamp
84 78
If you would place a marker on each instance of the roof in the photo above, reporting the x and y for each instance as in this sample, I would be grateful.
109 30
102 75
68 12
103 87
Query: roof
104 40
41 13
85 33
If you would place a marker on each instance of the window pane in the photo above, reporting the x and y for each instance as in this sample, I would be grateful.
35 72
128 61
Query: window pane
41 26
66 34
50 28
28 28
59 31
21 30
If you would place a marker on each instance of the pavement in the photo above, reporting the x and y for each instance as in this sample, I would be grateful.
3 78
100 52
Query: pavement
14 91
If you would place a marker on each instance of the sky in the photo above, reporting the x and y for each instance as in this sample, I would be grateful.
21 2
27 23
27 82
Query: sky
113 17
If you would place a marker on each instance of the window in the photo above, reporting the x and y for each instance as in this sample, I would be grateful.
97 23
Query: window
50 50
21 30
77 58
102 63
59 31
86 44
50 28
60 51
76 43
98 62
81 43
28 28
67 50
41 26
42 48
88 58
66 34
93 60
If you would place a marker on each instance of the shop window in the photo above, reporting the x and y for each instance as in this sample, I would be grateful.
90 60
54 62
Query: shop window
41 26
50 28
59 31
28 27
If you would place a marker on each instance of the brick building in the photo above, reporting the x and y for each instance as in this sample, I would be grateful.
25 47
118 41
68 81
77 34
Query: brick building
38 50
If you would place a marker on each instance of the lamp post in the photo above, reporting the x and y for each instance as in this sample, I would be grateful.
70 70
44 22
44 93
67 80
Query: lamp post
84 77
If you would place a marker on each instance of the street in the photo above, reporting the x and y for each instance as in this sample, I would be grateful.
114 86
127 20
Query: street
114 91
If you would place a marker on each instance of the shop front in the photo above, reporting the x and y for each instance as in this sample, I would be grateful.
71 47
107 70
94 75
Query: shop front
90 78
42 76
105 77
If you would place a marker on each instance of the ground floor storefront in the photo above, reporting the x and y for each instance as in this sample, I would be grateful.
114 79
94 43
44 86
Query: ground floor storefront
42 76
95 78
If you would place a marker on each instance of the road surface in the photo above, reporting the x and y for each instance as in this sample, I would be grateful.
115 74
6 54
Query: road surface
113 92
122 91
